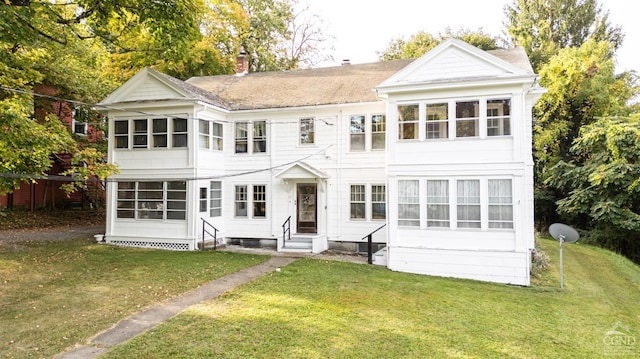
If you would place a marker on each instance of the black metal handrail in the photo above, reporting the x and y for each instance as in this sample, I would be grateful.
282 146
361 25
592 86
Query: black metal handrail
369 238
214 234
286 229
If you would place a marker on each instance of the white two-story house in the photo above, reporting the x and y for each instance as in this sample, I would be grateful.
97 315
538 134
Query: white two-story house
431 155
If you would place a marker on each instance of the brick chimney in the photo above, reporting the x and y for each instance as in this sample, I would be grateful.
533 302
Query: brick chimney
242 63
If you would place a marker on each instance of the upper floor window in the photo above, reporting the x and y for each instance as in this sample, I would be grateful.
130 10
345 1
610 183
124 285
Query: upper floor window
78 127
154 133
307 131
242 137
468 119
259 136
179 132
160 132
210 135
437 120
378 132
121 133
140 134
357 130
498 117
408 118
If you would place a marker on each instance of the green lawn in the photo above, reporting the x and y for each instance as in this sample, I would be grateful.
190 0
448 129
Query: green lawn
56 294
324 309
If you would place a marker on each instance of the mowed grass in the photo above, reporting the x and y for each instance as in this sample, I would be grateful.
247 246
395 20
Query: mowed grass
325 309
56 294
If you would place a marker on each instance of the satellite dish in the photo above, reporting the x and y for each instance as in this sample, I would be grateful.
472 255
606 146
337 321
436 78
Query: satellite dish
563 232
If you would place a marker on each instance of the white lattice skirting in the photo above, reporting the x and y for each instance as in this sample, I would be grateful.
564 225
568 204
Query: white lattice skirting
156 245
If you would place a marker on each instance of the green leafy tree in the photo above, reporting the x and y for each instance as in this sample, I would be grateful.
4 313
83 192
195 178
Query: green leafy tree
544 27
581 87
418 44
603 182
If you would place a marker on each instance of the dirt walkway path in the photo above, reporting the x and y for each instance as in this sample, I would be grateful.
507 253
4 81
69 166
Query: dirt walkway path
50 234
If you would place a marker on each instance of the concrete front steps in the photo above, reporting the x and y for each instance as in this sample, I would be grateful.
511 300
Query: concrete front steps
380 257
303 243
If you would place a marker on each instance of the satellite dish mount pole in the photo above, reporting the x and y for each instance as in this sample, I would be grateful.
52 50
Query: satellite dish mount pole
560 240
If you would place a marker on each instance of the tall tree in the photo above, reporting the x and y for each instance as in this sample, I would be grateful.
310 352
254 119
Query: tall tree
544 27
582 86
418 44
602 182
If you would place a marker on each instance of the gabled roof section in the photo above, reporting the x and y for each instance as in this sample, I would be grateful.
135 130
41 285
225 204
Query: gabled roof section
301 170
152 85
455 60
311 87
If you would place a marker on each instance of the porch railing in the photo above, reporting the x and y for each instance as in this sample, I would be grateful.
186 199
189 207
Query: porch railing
206 227
369 238
286 229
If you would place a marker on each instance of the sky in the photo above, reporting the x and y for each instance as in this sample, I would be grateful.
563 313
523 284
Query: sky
363 27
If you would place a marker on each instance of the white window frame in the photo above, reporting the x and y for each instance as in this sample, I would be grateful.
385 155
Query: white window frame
378 198
78 124
156 135
464 118
357 133
357 202
177 135
259 196
378 129
163 202
500 201
437 201
436 126
307 132
409 200
215 199
118 137
259 133
497 120
241 199
409 122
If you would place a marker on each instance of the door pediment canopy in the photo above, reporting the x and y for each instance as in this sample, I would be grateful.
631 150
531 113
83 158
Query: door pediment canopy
301 170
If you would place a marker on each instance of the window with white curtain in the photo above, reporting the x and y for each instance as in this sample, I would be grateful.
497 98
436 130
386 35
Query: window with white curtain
438 203
468 204
259 136
409 203
500 203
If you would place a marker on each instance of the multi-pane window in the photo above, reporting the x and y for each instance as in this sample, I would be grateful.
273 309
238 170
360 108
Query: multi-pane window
150 133
126 200
203 199
216 137
179 132
242 137
215 199
307 131
437 203
140 133
241 201
159 126
121 133
498 117
259 201
437 120
152 200
378 132
468 204
259 136
357 202
467 119
357 131
408 203
78 127
408 118
378 202
204 136
500 203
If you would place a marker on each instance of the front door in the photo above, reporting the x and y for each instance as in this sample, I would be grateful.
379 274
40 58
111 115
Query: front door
307 208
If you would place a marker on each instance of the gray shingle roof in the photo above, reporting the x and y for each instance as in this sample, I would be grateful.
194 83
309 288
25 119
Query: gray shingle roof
320 86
